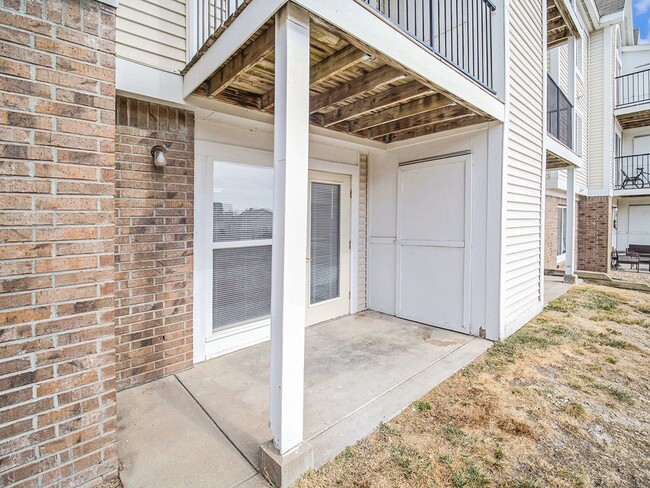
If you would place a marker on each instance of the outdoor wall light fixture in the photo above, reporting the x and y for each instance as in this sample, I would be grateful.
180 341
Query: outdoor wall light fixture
159 154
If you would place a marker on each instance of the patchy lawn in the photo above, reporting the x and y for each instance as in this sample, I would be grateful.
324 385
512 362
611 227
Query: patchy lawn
564 402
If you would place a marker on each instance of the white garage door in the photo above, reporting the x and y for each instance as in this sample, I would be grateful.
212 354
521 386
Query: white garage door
433 237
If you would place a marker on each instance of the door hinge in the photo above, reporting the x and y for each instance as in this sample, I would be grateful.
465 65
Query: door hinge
350 245
350 192
349 294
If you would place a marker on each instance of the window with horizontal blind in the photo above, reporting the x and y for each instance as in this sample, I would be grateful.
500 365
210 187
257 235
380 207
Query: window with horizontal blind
325 247
242 207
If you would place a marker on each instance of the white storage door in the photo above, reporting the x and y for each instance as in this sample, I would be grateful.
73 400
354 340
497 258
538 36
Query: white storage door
432 243
639 224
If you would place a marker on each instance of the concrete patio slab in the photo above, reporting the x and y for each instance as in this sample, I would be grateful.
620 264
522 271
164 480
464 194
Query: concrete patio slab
554 287
360 370
166 440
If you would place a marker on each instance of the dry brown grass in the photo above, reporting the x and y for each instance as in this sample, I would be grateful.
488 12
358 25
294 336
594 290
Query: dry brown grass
564 402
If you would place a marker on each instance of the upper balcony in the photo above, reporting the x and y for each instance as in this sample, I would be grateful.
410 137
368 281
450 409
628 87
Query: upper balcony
384 70
559 116
632 175
633 99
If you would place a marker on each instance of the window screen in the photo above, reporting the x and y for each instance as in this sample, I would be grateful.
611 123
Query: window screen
241 249
325 246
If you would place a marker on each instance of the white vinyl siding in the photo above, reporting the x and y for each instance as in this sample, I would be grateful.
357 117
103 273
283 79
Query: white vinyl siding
152 32
582 109
596 110
362 294
524 163
563 58
611 93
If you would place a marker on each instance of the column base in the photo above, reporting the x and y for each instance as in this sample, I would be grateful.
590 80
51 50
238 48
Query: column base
571 279
284 469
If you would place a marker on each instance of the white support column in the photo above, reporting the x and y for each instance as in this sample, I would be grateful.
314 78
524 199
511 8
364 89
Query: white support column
569 270
289 281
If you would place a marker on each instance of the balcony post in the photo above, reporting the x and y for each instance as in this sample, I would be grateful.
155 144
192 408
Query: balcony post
288 456
569 270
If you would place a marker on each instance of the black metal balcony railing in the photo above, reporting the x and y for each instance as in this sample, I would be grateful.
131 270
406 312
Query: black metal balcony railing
633 88
458 30
632 172
559 114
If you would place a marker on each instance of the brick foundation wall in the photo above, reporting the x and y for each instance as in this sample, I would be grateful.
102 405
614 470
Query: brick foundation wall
57 356
594 233
153 241
550 232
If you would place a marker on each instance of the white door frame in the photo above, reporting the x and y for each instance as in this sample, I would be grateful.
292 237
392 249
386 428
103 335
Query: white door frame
322 311
466 158
207 344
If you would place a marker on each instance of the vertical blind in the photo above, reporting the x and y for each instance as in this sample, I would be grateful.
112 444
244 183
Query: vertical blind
325 241
241 249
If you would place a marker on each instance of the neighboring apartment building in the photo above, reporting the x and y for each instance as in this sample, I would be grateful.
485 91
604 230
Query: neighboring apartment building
632 163
596 92
178 184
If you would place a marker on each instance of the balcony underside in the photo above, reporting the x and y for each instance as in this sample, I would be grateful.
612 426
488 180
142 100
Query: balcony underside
558 156
560 23
353 89
634 117
555 162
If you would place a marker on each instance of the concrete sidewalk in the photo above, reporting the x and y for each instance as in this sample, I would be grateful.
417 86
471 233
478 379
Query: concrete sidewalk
554 287
203 427
166 440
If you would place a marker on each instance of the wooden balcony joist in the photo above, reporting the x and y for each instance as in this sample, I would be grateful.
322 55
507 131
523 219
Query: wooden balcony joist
353 90
559 23
634 119
554 162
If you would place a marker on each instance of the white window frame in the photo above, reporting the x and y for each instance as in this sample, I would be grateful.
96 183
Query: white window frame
578 141
561 257
579 57
208 345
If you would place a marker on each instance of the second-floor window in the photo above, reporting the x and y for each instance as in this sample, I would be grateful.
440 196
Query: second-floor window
579 56
579 134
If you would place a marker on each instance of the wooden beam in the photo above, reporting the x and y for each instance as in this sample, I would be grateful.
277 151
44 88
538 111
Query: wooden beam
557 38
392 62
328 67
440 127
566 15
336 63
239 98
390 97
408 109
242 61
427 118
556 23
635 119
357 86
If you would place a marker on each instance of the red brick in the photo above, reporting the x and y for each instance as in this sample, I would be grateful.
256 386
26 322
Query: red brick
54 289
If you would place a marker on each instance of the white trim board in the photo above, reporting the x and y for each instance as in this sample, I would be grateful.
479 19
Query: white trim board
143 81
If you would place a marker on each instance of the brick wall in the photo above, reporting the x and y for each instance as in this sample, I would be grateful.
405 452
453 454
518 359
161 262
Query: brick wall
594 233
57 356
550 231
153 241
